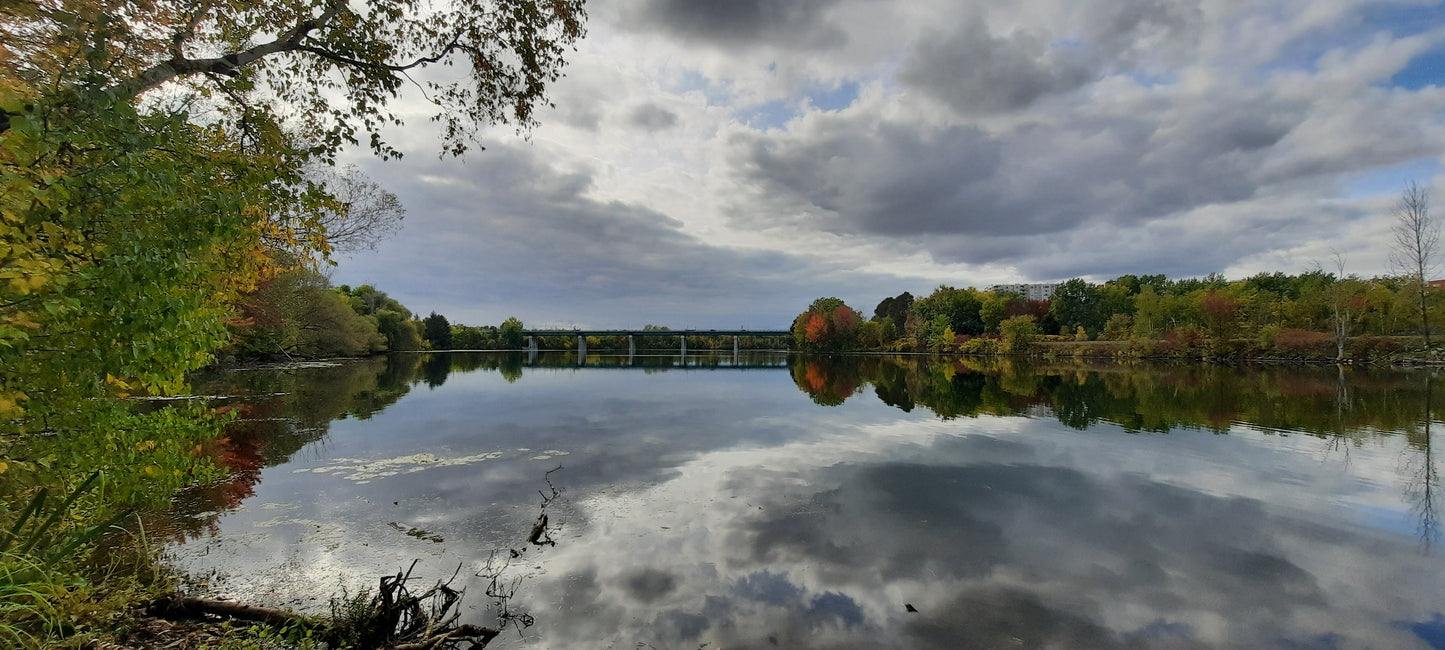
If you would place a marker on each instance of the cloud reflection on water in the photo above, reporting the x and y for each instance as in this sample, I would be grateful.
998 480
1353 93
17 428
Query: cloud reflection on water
693 521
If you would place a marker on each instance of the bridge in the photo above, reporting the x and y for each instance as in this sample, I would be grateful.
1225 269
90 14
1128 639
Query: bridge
632 335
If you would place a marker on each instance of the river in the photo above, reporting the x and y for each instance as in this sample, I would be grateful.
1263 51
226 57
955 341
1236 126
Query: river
771 500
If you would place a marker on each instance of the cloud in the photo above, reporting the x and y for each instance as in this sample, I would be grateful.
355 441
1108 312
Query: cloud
973 71
1139 165
651 117
791 24
507 232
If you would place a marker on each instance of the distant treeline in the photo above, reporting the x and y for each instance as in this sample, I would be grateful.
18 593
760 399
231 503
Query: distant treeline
299 314
442 335
1263 314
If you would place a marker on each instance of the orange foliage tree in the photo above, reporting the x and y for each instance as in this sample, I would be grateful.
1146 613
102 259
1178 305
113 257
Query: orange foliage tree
828 325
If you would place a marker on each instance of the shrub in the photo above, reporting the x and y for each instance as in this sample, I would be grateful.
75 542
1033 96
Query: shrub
1183 338
980 346
1118 328
1303 341
1374 347
1268 335
1019 334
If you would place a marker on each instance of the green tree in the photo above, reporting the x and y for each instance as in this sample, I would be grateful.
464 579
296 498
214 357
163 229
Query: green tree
959 307
1077 303
400 332
511 331
1019 334
437 331
994 308
895 310
1117 328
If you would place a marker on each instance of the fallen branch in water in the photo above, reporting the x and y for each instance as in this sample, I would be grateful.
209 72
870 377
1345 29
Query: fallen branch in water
392 618
174 607
476 634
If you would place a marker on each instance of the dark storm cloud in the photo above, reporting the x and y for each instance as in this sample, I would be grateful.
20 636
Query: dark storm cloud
965 195
975 72
883 178
787 24
652 118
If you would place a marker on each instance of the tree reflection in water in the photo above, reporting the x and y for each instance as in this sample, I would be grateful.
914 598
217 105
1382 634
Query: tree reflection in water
720 509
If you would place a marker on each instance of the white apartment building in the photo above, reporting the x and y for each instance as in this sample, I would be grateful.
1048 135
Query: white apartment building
1036 291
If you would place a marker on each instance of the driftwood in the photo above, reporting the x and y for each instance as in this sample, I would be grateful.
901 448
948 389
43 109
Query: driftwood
478 635
190 607
395 618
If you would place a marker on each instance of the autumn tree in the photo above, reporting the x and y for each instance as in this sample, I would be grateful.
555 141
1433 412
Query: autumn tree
1219 310
1417 247
153 170
827 325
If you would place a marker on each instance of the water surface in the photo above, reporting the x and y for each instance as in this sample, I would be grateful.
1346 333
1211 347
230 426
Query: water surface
765 500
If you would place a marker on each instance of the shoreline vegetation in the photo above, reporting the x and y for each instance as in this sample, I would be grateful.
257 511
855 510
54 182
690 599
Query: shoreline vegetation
1310 317
1314 317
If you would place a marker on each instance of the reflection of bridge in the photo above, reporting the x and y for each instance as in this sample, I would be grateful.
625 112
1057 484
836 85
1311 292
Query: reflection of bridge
706 360
633 334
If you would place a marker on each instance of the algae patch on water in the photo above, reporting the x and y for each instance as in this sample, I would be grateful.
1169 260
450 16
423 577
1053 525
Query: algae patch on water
364 471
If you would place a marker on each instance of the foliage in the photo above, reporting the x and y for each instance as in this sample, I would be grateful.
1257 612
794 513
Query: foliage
297 313
131 227
958 308
980 346
512 333
828 325
1117 328
894 310
437 331
1019 334
297 54
995 306
1078 304
400 332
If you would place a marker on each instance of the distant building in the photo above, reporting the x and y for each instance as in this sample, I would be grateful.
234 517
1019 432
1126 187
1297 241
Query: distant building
1436 284
1036 291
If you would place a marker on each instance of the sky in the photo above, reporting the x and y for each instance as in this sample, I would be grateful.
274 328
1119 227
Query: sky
722 163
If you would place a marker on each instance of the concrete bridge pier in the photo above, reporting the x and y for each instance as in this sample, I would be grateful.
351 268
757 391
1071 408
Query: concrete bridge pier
631 346
684 349
735 346
581 349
